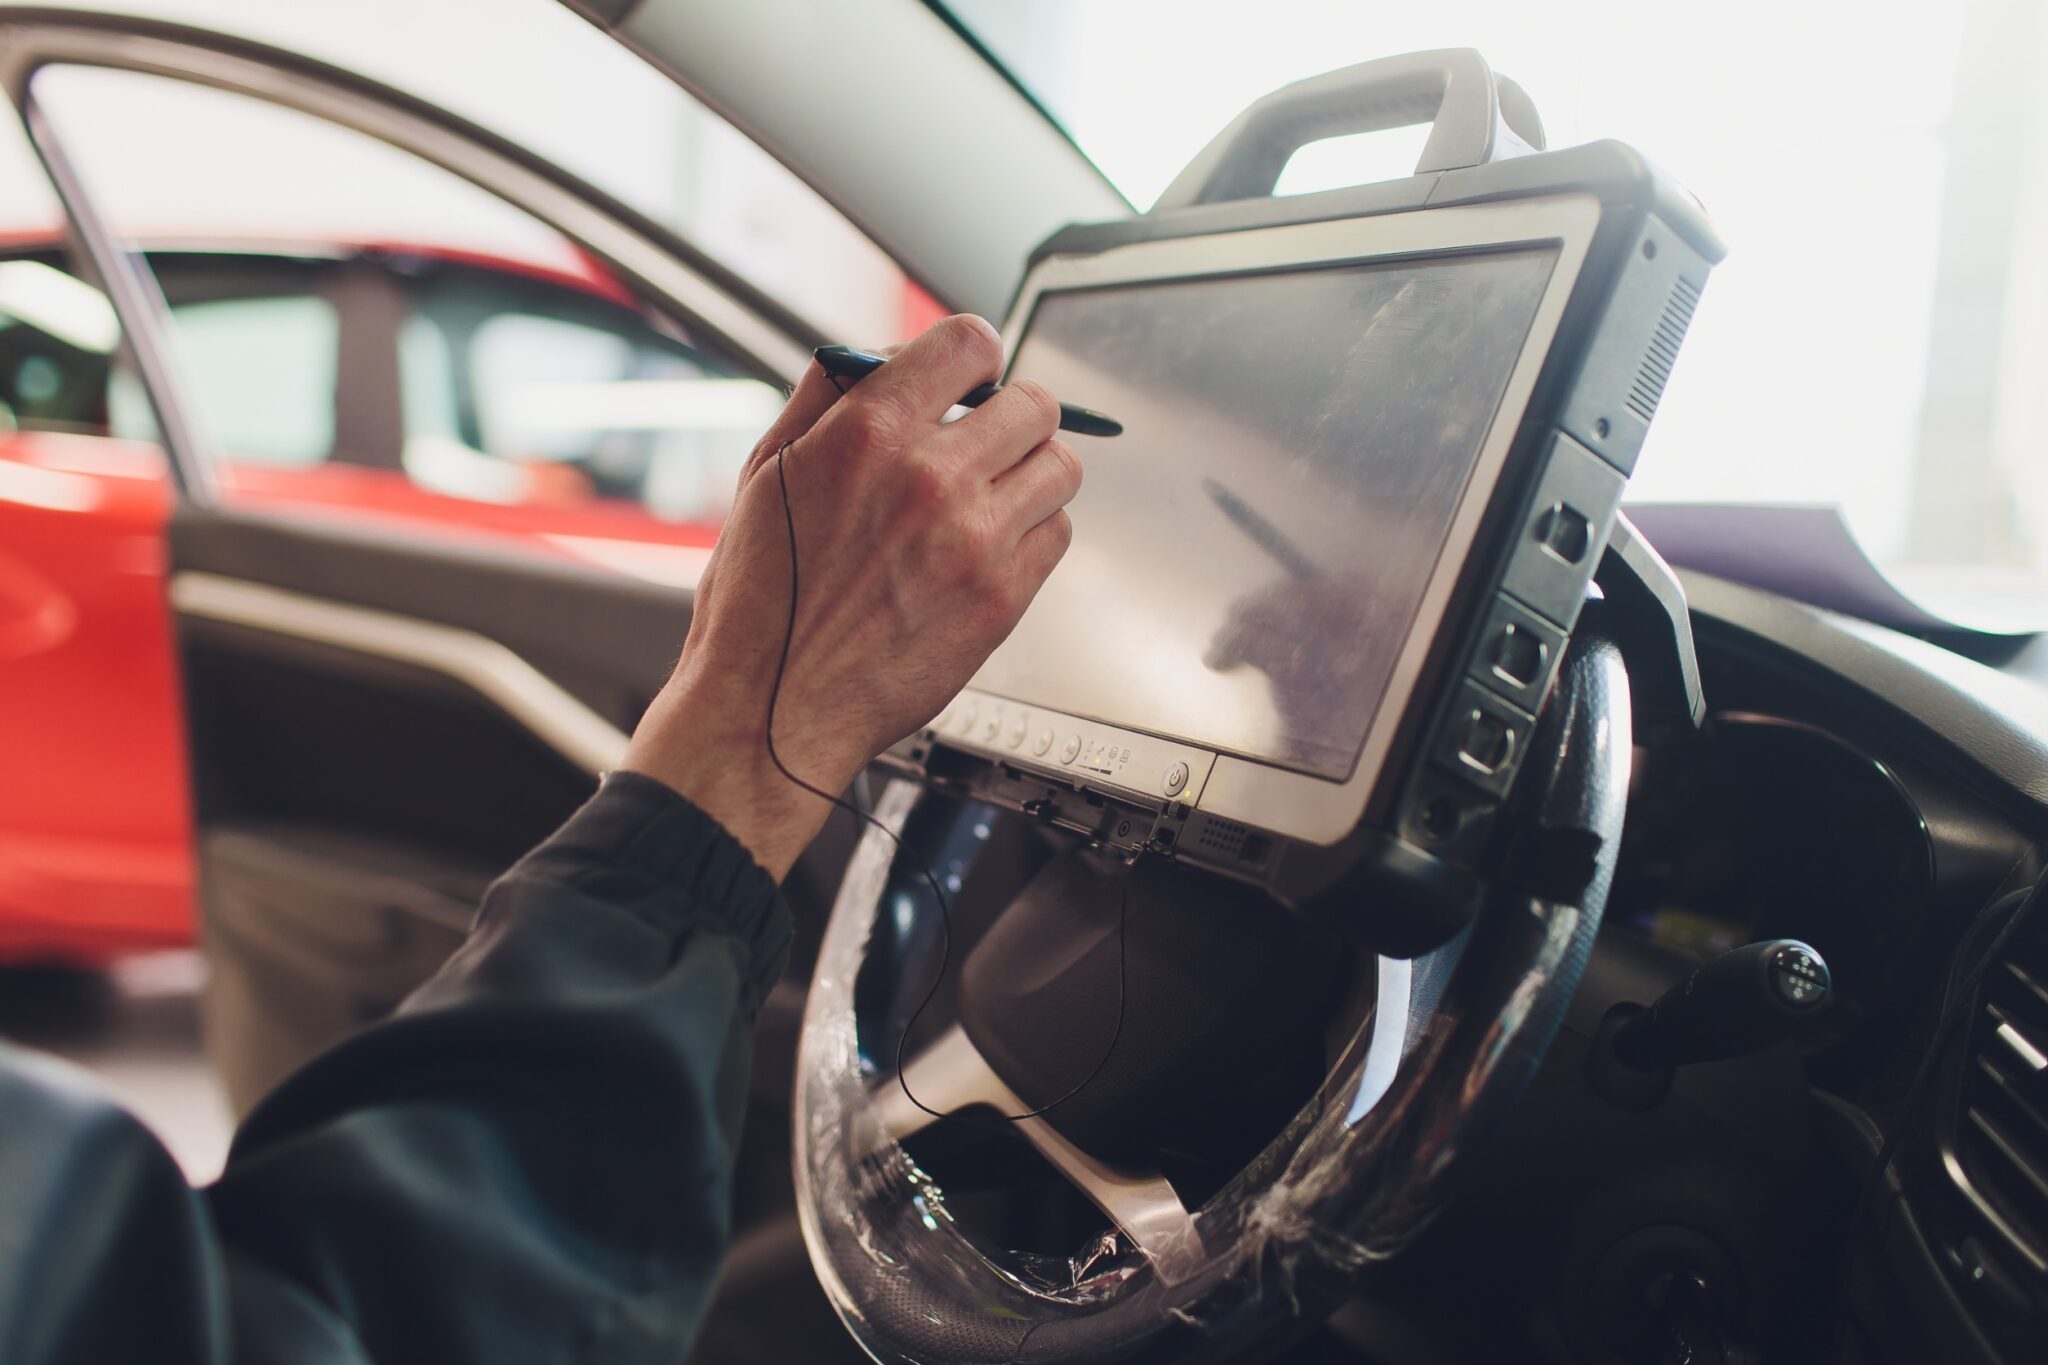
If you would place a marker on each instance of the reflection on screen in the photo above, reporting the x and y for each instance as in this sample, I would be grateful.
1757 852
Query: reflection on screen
1250 554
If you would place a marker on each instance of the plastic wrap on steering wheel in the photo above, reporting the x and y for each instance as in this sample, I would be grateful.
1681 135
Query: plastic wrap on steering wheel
1441 1058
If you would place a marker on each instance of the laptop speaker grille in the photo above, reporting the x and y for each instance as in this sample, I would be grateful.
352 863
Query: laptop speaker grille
1662 353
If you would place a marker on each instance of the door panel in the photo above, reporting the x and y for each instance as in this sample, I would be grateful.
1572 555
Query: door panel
380 719
359 775
605 638
291 715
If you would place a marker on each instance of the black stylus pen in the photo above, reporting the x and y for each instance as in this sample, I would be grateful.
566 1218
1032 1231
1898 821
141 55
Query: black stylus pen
849 363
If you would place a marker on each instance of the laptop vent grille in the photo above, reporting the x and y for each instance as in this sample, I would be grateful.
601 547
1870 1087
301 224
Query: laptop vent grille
1224 838
1662 354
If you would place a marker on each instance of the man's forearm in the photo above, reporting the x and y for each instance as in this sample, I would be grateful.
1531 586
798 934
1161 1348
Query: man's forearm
535 1154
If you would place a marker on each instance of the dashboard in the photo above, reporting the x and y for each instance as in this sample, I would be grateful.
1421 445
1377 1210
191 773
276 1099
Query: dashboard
1886 801
1899 822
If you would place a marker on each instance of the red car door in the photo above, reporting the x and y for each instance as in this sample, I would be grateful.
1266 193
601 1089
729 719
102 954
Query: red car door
95 826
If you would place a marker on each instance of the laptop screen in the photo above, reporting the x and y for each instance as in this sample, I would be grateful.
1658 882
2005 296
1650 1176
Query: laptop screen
1250 555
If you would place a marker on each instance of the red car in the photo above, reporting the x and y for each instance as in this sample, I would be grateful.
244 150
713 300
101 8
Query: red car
523 404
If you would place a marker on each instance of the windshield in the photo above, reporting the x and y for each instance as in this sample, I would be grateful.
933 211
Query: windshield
1878 336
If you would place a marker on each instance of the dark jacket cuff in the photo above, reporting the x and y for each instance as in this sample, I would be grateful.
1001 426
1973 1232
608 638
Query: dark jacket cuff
636 836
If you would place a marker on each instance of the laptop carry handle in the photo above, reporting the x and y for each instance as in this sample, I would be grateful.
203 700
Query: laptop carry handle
1475 117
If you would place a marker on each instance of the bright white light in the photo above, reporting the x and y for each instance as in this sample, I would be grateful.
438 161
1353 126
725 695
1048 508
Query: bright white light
1804 374
65 307
2026 1051
642 405
536 73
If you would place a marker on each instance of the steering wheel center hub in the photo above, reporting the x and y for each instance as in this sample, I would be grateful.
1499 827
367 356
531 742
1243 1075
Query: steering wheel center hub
1185 1008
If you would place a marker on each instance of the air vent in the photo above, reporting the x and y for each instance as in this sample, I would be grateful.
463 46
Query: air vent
2001 1133
1662 354
1224 838
1225 841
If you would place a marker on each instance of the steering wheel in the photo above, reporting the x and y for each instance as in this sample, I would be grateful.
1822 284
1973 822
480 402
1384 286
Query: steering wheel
1436 1053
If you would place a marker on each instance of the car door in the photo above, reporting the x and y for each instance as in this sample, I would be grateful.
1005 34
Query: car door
407 647
94 828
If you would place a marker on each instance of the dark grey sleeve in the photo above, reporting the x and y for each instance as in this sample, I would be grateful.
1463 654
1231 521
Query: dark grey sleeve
532 1160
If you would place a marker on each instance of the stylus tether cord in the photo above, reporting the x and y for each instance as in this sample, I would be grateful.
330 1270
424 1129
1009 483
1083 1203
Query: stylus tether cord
938 894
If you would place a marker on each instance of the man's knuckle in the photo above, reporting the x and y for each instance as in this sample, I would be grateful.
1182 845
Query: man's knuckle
974 336
972 342
1037 403
1066 464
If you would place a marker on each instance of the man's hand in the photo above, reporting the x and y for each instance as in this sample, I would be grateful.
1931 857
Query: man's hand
918 545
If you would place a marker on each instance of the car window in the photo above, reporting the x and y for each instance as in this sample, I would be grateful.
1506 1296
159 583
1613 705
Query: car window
585 408
263 371
632 417
547 79
57 340
337 302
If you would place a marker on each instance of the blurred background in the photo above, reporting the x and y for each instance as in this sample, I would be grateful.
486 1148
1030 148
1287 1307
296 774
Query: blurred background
1878 336
1877 339
1876 168
1880 169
